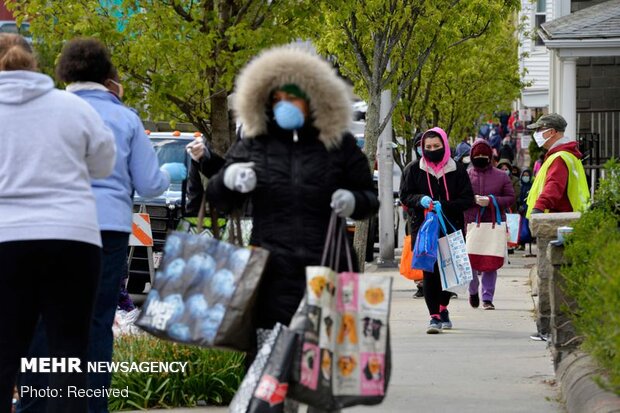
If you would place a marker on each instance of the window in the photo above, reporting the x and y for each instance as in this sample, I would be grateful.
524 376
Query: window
539 18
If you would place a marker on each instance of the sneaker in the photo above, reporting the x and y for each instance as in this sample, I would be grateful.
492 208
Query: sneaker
487 305
539 337
453 295
446 324
419 293
434 327
474 300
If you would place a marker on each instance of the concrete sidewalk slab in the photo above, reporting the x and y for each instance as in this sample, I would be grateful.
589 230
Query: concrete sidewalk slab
486 363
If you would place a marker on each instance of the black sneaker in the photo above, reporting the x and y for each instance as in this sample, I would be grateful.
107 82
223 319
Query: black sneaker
419 293
446 324
474 300
487 305
434 326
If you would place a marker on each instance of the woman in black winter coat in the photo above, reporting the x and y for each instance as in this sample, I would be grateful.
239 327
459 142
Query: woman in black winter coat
295 162
437 179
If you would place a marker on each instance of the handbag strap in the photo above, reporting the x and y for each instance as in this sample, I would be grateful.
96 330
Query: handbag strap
494 211
201 216
329 241
442 222
235 236
342 239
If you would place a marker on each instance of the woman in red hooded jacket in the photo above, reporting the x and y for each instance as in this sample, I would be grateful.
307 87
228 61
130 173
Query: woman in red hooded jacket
436 178
486 180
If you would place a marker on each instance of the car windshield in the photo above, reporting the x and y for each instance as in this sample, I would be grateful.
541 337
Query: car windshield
169 150
24 29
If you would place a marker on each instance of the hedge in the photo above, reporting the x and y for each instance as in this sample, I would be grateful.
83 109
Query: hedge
593 277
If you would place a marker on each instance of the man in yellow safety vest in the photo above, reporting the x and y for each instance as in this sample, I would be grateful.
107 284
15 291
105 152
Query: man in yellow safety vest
561 184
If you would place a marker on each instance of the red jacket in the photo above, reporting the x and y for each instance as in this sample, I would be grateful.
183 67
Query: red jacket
554 196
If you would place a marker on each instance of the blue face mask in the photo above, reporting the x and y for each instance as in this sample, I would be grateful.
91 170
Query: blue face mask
288 116
419 151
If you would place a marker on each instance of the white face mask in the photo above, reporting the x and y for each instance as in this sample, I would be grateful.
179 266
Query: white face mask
526 178
538 137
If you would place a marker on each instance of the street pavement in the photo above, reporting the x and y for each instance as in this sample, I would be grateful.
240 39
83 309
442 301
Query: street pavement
486 363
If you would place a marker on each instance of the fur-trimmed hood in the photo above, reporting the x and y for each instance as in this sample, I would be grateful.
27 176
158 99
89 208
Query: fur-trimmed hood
329 96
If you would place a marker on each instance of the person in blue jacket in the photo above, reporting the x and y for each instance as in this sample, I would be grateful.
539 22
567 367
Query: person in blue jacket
86 66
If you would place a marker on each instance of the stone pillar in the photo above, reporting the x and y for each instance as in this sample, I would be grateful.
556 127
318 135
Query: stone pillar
563 337
545 227
568 106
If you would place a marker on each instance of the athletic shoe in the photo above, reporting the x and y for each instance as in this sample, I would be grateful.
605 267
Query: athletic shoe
487 305
446 324
434 327
474 300
419 293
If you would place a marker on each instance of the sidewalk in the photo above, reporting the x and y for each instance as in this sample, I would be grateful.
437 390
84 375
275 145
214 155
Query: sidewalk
486 363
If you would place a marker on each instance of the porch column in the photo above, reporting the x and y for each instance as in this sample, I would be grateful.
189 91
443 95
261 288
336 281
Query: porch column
568 104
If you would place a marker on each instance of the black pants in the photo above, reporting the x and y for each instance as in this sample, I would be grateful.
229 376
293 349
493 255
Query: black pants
55 280
433 294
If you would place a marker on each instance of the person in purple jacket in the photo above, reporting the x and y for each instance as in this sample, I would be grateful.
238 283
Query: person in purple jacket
486 180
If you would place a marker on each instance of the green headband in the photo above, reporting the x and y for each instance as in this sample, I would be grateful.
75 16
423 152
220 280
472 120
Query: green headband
293 89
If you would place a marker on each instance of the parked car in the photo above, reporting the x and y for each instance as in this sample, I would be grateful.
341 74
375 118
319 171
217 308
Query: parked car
10 26
165 210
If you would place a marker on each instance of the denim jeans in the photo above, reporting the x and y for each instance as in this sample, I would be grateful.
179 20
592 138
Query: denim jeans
101 340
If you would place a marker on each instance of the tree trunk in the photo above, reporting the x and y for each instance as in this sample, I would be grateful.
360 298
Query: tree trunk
220 128
371 134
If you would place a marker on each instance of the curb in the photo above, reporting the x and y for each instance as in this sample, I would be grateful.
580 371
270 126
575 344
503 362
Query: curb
581 393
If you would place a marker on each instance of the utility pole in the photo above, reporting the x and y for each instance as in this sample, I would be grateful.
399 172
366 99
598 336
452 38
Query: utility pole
386 187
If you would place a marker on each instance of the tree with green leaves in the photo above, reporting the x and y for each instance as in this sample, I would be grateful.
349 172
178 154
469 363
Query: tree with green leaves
455 88
179 57
385 44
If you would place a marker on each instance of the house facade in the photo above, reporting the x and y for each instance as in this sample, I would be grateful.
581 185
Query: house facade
534 61
584 83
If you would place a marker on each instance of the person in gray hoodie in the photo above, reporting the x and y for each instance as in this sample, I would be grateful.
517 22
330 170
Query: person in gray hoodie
86 66
53 144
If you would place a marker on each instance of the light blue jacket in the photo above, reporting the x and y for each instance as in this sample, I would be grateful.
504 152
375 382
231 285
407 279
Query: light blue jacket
136 168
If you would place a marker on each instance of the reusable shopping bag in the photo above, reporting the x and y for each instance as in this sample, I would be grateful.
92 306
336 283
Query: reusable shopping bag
265 385
453 262
344 355
406 260
525 235
204 292
513 223
486 241
425 249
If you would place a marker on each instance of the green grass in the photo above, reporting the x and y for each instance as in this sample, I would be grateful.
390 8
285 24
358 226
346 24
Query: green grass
212 376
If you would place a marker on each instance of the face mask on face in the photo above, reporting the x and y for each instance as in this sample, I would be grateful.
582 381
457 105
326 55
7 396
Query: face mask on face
434 156
538 137
419 151
288 116
482 162
508 172
525 179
